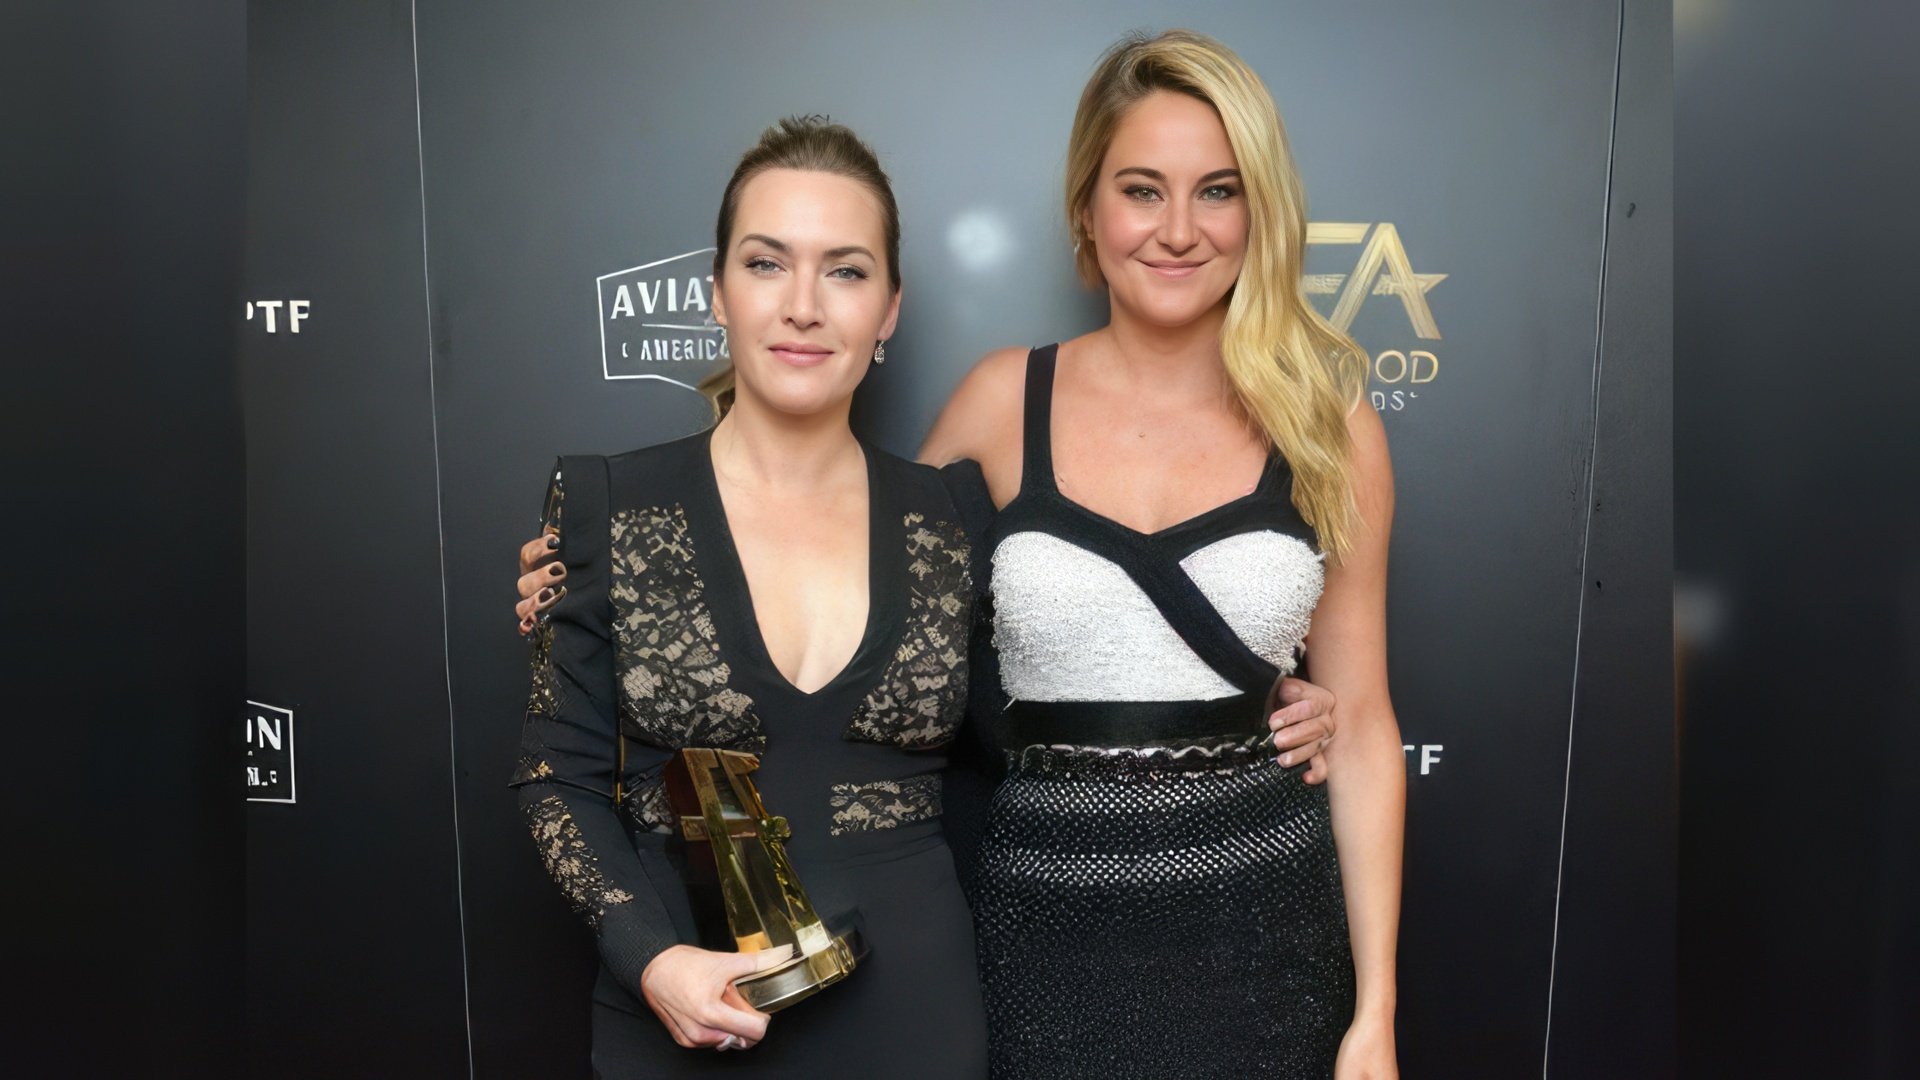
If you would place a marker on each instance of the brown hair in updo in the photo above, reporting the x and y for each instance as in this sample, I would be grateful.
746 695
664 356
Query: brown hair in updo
810 144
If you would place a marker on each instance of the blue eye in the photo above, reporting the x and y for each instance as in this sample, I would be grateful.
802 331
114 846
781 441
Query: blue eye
1218 193
848 273
760 264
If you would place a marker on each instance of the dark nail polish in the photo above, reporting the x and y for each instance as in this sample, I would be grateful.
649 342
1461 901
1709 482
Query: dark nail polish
555 570
553 543
546 595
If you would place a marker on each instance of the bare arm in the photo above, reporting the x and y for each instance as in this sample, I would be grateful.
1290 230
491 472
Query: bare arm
982 421
1368 787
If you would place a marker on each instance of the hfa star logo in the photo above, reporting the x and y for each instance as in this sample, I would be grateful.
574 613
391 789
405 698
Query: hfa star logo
1383 270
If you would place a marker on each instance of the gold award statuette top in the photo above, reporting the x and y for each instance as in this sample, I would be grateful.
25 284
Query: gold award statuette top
712 795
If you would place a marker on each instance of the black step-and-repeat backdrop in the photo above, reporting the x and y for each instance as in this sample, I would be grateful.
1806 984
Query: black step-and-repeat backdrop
480 237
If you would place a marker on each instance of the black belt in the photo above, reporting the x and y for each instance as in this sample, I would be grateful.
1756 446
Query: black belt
1129 723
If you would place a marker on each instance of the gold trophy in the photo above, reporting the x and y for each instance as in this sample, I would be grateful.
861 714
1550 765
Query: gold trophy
717 805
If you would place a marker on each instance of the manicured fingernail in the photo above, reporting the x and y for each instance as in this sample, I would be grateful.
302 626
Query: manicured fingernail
553 543
1286 759
546 595
555 570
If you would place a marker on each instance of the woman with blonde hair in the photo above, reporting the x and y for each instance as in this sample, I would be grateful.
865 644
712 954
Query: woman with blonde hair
1182 493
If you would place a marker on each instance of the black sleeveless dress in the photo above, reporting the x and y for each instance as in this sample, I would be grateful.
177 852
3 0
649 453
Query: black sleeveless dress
1154 895
657 647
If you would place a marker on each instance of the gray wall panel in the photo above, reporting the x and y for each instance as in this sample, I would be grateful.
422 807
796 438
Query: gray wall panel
120 246
1614 954
353 945
1798 610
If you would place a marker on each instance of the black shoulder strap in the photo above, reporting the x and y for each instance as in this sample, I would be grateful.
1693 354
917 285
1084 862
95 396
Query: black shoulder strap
1207 632
1036 464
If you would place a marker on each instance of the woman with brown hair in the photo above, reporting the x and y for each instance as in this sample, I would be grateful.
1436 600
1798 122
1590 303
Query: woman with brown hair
772 585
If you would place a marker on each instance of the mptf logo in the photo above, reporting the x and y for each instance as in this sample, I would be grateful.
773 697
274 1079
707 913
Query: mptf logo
656 320
1382 269
1429 755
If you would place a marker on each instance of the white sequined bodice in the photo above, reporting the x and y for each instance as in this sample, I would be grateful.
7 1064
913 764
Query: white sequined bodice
1071 625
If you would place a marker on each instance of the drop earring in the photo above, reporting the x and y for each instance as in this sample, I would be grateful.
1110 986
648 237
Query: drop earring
879 352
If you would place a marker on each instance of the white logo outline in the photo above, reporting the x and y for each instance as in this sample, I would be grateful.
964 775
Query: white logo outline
293 790
600 301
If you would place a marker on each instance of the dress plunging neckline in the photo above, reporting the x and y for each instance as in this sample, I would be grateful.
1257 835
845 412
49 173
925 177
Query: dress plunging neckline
737 595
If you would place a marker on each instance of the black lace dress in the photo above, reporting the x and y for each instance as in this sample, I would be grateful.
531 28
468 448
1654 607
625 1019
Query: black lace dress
1154 895
657 641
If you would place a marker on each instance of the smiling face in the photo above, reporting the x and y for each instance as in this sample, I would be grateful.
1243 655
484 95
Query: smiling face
1168 218
803 289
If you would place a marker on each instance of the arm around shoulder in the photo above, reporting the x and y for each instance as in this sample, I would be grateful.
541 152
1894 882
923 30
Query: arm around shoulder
983 411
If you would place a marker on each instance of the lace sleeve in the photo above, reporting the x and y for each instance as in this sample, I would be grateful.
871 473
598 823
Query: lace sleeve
565 773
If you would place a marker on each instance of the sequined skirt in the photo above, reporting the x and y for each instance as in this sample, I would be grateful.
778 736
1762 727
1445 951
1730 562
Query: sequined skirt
1147 914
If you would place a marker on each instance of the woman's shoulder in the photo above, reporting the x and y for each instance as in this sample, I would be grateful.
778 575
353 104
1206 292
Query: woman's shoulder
955 493
906 479
598 485
1003 365
671 452
657 473
996 382
984 409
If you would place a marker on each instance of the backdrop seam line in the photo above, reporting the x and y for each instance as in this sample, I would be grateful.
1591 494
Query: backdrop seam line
440 523
1586 535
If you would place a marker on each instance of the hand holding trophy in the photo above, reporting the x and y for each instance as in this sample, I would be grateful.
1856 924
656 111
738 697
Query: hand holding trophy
717 805
691 991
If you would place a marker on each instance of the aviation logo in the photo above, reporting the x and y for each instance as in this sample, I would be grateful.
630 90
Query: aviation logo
1383 269
656 320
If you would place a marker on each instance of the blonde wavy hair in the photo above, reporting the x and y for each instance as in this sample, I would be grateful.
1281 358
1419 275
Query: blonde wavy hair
1296 375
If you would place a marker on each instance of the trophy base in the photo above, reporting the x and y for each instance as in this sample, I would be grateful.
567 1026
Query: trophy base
801 978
